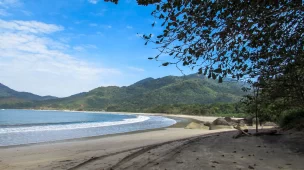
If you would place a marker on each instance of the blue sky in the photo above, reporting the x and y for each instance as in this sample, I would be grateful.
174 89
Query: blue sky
62 47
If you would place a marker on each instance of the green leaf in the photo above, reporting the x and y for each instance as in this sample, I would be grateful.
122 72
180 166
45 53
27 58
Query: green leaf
206 70
218 70
166 63
213 76
200 70
220 79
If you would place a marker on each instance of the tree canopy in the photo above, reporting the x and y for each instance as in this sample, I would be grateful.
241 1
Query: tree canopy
261 41
236 38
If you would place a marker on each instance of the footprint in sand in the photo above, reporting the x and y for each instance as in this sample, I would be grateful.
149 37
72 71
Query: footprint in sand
250 167
215 162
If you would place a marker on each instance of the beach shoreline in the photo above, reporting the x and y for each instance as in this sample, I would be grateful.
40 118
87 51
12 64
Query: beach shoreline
168 148
19 156
34 156
195 117
181 121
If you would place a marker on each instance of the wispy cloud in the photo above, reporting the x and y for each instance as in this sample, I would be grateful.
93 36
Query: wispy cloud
129 27
79 48
10 3
4 13
99 33
29 26
93 1
84 47
5 5
100 12
30 54
106 26
139 35
27 13
136 69
78 22
93 25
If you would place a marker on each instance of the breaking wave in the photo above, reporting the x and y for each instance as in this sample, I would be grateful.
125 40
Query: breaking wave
72 126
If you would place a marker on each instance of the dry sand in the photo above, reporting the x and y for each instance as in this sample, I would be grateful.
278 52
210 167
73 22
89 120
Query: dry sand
170 148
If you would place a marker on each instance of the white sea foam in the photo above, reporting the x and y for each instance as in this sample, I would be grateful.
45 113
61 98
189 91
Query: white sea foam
72 126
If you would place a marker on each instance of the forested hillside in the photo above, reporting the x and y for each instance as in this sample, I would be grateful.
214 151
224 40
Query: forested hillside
151 93
147 95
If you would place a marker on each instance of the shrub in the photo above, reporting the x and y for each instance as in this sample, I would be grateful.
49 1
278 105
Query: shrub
293 120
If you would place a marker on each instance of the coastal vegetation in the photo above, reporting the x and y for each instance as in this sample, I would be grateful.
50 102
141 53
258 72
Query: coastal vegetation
260 42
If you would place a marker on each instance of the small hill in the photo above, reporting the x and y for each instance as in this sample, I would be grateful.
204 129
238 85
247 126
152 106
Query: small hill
10 94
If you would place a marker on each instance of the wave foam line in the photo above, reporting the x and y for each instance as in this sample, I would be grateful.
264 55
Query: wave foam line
73 126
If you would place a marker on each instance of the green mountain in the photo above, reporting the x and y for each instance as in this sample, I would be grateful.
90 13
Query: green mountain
9 96
149 93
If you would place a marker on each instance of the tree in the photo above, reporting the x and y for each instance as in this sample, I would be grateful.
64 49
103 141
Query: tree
237 38
261 41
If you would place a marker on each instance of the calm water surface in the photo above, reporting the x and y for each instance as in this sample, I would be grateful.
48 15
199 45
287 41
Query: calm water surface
30 126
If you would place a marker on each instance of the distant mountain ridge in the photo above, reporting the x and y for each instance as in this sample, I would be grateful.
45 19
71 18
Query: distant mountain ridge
6 92
150 92
140 96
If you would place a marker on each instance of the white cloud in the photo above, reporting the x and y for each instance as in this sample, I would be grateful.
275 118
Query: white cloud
106 26
29 26
34 62
84 47
139 35
78 22
27 13
10 3
129 27
100 12
93 1
90 46
142 35
4 13
79 48
136 69
5 5
93 25
99 33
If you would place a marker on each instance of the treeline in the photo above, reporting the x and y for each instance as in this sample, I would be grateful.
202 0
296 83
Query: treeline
216 109
280 98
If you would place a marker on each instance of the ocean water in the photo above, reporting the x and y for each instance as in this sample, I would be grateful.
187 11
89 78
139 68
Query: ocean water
30 126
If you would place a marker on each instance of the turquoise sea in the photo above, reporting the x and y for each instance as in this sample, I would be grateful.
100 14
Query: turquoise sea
30 126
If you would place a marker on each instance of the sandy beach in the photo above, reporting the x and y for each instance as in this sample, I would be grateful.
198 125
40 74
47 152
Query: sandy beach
169 148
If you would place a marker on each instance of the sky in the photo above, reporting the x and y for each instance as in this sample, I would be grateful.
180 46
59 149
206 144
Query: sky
61 48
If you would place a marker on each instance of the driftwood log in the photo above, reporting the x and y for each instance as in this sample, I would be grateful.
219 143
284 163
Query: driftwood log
242 132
